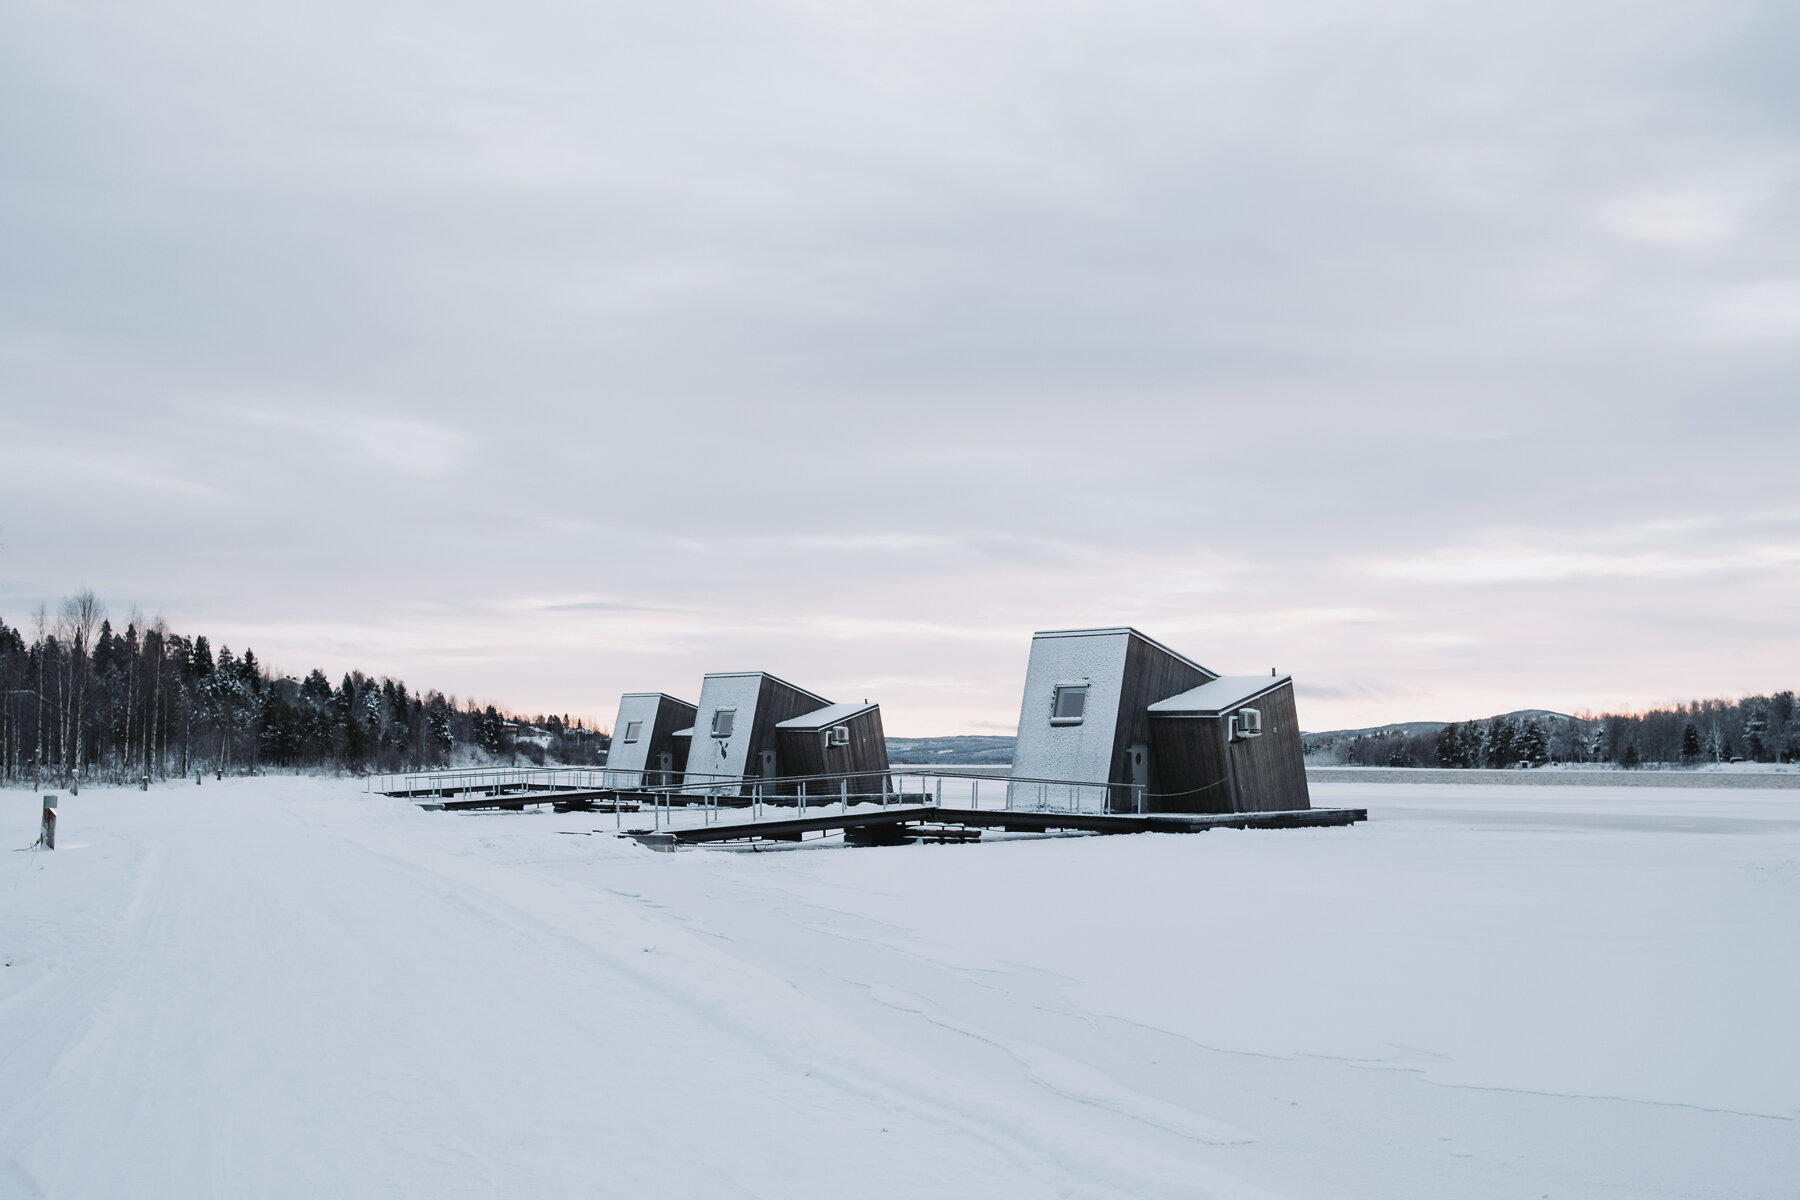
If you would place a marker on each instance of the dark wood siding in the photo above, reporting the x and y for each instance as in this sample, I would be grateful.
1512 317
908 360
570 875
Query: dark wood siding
1269 772
776 702
1197 768
1151 674
1190 766
671 714
863 763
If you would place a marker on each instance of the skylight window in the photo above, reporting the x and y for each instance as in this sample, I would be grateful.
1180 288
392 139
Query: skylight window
632 729
1069 705
724 720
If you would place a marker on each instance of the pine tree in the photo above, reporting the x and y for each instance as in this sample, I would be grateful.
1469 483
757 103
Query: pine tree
1756 725
437 721
1690 743
1449 746
1533 744
491 731
317 689
1501 752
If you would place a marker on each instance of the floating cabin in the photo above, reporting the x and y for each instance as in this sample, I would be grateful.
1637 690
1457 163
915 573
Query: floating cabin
1116 710
842 741
734 732
645 749
1231 745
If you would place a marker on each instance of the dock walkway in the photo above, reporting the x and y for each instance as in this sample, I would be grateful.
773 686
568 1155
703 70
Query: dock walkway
896 818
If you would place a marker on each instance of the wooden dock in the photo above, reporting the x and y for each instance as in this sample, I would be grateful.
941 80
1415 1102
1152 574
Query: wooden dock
870 825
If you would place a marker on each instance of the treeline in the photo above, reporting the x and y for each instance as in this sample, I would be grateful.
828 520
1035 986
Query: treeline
1759 729
79 699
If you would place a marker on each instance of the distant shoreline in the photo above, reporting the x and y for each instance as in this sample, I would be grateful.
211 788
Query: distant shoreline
1552 776
1581 775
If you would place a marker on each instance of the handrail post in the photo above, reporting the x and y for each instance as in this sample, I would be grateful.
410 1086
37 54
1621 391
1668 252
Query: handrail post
844 795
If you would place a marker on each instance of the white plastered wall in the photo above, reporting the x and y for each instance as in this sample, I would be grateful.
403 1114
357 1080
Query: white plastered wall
724 756
630 758
1079 752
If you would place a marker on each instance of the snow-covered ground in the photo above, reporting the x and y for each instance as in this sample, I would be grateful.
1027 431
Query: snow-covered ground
282 987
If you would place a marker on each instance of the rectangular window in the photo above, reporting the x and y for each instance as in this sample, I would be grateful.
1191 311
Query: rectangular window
1069 705
724 720
632 729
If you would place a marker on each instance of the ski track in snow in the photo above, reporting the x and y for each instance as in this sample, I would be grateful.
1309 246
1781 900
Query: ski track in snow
284 987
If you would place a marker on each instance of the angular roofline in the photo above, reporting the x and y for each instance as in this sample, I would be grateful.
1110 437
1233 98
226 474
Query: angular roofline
763 674
1239 698
664 695
1130 631
813 720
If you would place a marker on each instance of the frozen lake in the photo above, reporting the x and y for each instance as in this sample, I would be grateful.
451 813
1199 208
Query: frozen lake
282 987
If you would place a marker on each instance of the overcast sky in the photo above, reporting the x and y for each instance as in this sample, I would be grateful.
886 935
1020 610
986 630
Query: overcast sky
1443 354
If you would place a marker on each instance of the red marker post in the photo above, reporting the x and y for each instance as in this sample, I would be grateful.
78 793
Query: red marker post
47 839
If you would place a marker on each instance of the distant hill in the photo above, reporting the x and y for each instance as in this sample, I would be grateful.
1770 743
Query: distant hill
974 751
966 751
1414 728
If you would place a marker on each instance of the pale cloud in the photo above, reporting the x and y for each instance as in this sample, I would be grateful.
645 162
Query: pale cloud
1765 310
412 446
50 473
1681 215
1435 641
1517 564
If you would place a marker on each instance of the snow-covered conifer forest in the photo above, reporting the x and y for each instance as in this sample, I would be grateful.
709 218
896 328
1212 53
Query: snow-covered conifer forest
81 697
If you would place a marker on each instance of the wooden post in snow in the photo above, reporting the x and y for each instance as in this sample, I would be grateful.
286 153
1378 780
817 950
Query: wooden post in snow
47 836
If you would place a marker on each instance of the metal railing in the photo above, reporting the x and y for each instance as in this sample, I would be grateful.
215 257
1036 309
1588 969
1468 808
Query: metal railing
709 795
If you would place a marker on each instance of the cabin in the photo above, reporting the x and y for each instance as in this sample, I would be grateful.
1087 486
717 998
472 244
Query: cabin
842 741
734 730
1230 745
645 749
1090 715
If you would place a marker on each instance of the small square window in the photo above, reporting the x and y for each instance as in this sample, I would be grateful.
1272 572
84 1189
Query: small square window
1069 705
632 729
724 720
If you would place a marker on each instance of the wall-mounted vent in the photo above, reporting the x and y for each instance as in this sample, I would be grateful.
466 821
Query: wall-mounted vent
1069 703
1246 723
724 721
632 729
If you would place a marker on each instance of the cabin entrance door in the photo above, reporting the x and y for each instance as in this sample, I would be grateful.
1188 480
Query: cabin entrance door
1137 758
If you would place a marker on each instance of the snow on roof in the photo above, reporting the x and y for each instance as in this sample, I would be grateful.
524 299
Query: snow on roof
664 695
754 674
831 714
1114 631
1210 699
